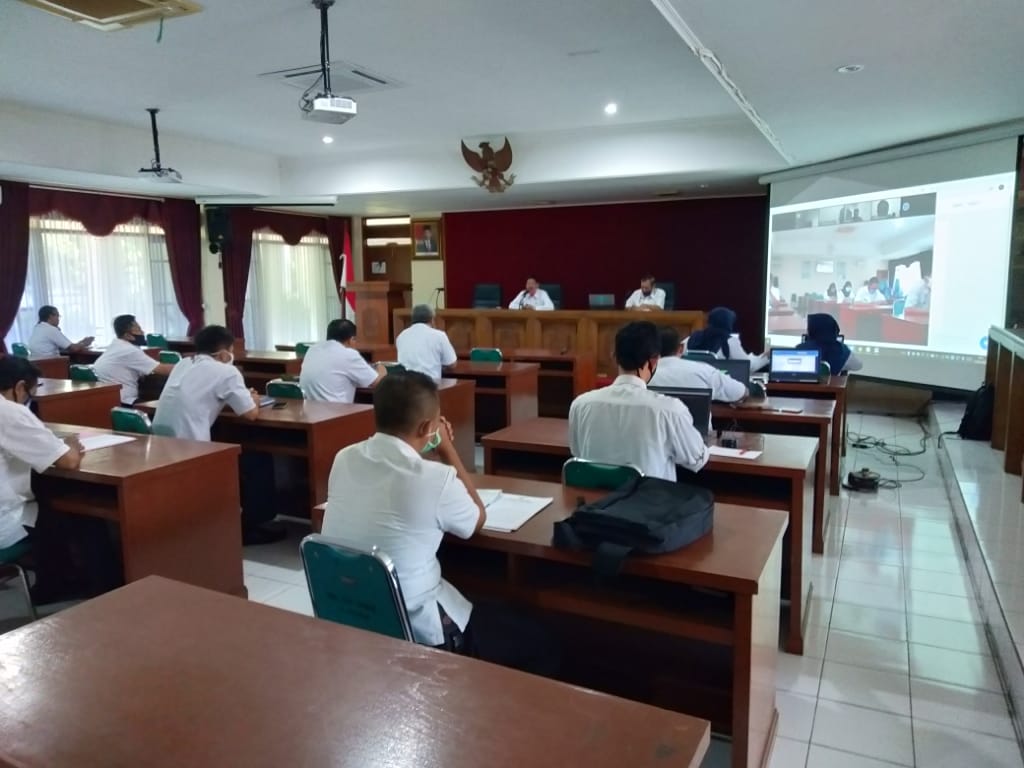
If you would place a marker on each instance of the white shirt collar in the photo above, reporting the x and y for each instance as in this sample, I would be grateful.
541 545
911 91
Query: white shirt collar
629 380
404 447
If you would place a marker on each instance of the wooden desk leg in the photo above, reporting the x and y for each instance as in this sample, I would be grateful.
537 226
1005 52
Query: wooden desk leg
820 470
800 534
488 460
755 657
1001 406
838 446
1015 419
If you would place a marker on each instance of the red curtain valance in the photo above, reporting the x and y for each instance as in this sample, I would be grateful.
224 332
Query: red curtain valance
99 214
290 226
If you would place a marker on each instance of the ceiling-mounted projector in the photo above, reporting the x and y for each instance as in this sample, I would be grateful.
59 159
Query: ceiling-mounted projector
325 107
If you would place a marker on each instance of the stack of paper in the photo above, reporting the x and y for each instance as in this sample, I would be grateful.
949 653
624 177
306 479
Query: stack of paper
95 442
507 512
733 453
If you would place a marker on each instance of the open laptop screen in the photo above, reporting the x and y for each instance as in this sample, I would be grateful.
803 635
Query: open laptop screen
794 365
697 402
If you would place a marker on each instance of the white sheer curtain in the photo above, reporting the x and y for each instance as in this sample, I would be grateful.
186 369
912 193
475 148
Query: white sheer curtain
92 279
291 294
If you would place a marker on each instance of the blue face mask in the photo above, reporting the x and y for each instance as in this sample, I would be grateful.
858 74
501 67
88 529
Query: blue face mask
435 440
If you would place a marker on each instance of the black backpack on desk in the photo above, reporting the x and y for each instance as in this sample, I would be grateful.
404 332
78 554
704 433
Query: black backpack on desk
647 515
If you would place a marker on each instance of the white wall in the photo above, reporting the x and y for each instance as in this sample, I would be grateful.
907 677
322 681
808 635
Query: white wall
427 276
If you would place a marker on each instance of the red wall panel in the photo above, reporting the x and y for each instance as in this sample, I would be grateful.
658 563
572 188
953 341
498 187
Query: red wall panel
712 249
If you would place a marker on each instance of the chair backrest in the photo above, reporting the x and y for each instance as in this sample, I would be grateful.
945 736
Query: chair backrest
580 473
130 420
487 296
169 358
670 294
288 390
302 347
601 300
824 370
19 350
700 355
485 355
554 292
354 587
82 373
393 367
156 340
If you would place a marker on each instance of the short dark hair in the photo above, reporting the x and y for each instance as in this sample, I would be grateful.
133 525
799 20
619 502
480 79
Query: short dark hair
46 312
670 341
422 313
872 279
123 324
340 330
403 400
635 344
647 277
213 339
15 369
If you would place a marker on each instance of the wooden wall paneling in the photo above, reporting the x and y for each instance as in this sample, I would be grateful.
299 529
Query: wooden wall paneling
1001 408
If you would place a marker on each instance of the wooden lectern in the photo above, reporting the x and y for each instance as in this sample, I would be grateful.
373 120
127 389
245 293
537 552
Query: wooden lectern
376 300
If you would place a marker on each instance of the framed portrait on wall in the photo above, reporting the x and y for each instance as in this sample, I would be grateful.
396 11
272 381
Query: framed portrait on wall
426 239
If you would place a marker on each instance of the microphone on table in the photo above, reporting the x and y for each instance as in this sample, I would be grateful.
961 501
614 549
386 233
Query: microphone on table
437 295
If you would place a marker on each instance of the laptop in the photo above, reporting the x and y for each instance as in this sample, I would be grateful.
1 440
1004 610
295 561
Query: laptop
794 366
737 369
697 402
602 301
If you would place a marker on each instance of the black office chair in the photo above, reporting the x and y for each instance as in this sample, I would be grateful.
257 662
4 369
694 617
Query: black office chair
554 291
670 294
487 296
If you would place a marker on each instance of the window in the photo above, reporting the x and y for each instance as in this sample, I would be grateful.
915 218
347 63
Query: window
93 279
291 294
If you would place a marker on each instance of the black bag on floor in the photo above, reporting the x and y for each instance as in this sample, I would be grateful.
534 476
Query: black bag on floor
977 421
648 515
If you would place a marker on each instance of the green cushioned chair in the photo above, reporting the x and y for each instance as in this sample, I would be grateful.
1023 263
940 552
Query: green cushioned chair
303 347
824 370
129 420
392 367
156 340
19 350
82 373
580 473
169 358
286 390
353 587
485 355
699 355
11 571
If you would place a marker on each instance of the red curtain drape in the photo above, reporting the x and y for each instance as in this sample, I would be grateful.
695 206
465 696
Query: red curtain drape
14 213
184 250
99 214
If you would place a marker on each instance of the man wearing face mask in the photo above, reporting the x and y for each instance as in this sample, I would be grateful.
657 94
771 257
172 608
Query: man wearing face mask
383 492
626 423
124 363
647 297
197 390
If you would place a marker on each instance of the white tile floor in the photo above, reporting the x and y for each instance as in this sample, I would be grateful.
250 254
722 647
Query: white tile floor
897 670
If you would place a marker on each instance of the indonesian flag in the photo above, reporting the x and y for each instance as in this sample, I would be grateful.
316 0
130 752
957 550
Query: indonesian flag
347 272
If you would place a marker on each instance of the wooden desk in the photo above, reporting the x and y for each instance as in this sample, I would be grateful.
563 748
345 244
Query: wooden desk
291 690
182 346
84 403
813 420
52 367
1005 369
458 405
309 432
372 353
259 367
590 332
90 356
506 393
562 376
175 502
781 478
652 599
833 389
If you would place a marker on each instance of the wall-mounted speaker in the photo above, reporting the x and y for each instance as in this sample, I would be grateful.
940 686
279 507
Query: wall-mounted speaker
218 228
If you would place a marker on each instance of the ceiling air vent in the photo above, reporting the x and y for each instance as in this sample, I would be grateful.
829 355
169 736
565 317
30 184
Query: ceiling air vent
108 15
346 78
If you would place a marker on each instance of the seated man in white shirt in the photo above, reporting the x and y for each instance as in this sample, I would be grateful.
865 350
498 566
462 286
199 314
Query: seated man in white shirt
124 363
196 392
47 340
674 371
58 540
422 347
626 423
332 370
383 493
869 293
647 297
920 296
532 297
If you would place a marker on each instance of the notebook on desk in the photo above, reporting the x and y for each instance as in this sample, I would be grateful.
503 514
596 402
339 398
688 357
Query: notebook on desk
265 401
508 512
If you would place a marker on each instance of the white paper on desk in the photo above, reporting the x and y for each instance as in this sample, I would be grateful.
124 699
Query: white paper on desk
511 511
489 495
733 453
95 442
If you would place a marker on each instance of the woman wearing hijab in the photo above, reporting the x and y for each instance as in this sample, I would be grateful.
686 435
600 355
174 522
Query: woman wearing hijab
720 339
823 335
832 294
848 291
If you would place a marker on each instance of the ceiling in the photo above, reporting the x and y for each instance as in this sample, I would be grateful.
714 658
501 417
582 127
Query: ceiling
536 71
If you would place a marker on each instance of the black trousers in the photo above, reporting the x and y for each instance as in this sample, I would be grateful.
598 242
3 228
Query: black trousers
74 556
501 635
257 488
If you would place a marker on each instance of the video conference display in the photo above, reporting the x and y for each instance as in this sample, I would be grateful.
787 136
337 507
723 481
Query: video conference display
914 276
